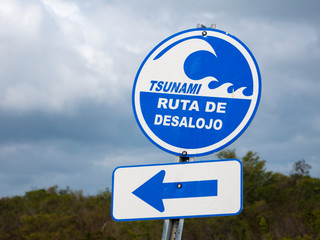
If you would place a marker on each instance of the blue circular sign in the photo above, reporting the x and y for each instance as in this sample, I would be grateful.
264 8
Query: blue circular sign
196 92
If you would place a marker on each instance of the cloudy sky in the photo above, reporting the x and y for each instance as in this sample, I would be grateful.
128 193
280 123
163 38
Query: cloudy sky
67 68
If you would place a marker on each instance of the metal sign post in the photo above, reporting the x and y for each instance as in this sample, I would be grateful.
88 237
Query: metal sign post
172 228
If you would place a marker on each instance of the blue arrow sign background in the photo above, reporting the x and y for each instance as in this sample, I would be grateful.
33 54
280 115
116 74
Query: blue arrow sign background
155 190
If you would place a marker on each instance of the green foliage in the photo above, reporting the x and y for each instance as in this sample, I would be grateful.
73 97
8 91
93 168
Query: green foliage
275 207
301 168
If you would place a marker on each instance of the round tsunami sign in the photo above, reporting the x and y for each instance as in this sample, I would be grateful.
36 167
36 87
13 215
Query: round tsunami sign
196 92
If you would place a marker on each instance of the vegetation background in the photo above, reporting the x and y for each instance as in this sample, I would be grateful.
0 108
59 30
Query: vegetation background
275 206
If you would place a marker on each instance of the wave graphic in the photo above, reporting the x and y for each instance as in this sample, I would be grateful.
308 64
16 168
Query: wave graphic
226 90
226 65
167 65
193 60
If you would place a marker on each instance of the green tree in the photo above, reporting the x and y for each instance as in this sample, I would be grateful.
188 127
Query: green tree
275 206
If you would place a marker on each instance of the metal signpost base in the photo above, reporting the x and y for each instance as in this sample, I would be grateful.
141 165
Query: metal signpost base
172 229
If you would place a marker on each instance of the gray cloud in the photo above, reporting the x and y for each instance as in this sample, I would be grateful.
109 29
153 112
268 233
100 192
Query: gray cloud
67 70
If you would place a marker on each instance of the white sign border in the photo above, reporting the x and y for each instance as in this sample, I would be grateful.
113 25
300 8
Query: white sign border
179 165
241 127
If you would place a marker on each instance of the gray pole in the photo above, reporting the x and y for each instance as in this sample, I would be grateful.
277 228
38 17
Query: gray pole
172 228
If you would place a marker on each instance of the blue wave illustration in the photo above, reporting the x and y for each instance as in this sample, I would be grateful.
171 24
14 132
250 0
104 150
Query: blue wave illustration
227 65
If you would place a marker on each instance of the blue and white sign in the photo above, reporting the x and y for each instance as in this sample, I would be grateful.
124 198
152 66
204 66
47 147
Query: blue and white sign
177 190
196 92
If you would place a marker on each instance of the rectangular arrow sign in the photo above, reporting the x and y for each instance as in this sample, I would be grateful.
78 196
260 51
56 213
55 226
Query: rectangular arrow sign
177 190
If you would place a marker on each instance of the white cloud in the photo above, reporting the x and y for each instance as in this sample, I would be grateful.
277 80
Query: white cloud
20 20
63 9
57 65
73 53
67 68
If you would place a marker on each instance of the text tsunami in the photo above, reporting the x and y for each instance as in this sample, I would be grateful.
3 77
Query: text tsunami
175 87
189 122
